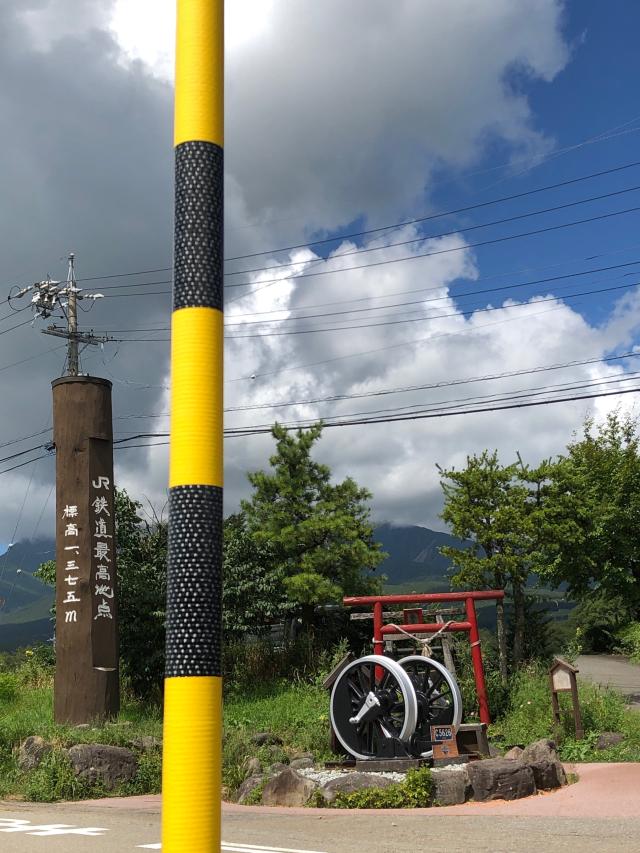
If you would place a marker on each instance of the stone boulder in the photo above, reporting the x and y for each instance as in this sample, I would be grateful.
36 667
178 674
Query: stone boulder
146 743
451 785
266 739
249 785
514 752
301 763
32 752
97 762
254 768
548 775
608 739
501 779
540 750
274 769
288 788
350 782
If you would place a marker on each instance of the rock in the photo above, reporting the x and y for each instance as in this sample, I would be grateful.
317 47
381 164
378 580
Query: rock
301 763
501 779
514 753
609 739
96 762
32 752
451 786
540 750
146 743
276 768
82 726
288 788
548 775
266 738
249 785
254 768
303 755
351 782
494 752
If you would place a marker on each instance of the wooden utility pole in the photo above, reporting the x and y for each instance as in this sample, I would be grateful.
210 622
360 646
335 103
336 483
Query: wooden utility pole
72 315
86 681
191 766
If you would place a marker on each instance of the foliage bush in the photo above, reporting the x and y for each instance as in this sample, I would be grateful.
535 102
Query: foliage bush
529 716
413 793
628 641
599 618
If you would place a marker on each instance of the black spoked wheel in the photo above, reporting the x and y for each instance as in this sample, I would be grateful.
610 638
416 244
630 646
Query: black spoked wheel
372 700
437 694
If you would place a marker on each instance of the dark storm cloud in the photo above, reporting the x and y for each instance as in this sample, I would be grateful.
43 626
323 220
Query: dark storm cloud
86 167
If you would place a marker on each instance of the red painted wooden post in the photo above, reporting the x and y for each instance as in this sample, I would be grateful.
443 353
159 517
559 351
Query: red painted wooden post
378 642
476 657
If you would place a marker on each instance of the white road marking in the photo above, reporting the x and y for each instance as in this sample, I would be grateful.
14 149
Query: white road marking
48 829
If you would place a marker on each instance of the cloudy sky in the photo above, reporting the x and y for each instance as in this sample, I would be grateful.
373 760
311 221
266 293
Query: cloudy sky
341 117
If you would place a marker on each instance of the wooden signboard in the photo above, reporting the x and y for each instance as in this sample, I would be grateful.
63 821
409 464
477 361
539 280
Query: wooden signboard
86 682
444 742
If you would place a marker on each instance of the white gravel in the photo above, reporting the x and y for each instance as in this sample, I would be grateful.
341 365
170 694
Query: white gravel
324 776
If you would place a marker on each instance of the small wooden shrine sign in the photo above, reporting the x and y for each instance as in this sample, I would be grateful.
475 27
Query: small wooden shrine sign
562 679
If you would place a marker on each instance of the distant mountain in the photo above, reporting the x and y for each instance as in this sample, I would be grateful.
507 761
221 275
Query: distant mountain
24 600
414 555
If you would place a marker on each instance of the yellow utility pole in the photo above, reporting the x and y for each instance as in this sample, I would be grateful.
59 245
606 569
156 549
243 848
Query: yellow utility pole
191 777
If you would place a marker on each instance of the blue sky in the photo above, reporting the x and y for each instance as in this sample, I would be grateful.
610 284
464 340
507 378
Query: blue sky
366 112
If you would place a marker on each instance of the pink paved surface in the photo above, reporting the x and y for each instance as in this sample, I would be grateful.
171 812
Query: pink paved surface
603 791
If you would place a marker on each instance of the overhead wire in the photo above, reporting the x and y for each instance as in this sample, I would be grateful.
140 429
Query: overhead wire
424 317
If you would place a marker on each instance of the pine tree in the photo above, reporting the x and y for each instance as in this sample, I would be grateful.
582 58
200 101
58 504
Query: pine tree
318 533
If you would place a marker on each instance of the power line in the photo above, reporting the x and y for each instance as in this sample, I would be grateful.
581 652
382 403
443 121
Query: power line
438 215
387 347
29 358
424 237
379 229
460 313
433 385
495 240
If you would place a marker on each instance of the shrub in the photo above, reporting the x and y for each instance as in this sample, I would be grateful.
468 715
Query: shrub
530 717
629 641
413 793
8 688
54 780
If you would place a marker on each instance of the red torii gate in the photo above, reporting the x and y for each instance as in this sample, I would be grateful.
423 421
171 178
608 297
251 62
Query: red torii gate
470 625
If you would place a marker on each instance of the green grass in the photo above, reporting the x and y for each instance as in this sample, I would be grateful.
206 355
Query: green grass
296 713
529 718
26 708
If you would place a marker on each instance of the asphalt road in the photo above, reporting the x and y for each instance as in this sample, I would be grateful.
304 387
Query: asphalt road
99 830
613 671
599 813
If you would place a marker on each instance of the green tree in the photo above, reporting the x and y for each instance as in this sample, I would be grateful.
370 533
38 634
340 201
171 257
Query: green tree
485 504
595 495
253 592
318 533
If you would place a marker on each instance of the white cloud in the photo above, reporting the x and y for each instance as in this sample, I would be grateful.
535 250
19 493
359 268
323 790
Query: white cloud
335 111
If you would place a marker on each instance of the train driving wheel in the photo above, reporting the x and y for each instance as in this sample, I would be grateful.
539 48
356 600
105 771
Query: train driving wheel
437 694
372 700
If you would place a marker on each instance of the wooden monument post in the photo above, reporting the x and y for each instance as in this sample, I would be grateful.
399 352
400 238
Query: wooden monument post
86 680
